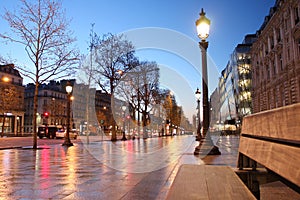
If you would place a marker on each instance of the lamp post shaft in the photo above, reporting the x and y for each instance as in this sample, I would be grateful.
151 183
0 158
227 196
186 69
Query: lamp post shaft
199 136
123 135
67 141
204 45
203 31
123 131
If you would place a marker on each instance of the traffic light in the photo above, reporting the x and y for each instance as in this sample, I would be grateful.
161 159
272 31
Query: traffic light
46 114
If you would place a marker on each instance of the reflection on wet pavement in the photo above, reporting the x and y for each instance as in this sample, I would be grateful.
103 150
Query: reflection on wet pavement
101 170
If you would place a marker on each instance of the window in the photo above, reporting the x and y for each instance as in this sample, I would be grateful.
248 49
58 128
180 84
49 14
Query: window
276 96
262 74
285 24
268 72
274 67
272 42
283 98
257 77
299 47
278 35
296 14
266 49
280 62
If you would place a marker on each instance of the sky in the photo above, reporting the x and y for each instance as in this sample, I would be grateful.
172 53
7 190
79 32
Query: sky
164 31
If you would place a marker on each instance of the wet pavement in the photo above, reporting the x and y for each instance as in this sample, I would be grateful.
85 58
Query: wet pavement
134 169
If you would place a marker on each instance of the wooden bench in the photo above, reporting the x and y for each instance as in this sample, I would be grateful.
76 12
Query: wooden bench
207 182
272 139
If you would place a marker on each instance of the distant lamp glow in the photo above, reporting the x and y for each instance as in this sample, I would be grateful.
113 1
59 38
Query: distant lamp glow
120 72
203 25
69 87
197 94
5 79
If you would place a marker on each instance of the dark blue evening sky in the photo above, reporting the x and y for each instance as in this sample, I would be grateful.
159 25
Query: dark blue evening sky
231 20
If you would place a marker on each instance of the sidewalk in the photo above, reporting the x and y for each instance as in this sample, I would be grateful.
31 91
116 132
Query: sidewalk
102 170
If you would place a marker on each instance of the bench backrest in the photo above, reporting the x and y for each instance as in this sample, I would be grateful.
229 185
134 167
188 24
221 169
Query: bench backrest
272 138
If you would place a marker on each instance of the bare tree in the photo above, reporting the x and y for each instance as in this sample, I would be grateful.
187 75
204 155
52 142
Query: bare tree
2 60
86 75
6 60
150 84
114 56
42 29
139 87
174 113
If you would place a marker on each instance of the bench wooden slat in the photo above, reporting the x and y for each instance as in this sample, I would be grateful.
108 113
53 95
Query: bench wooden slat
280 123
207 182
282 159
277 190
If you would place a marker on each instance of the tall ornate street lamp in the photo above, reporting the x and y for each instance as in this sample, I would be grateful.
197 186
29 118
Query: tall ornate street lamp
124 136
203 25
69 89
198 95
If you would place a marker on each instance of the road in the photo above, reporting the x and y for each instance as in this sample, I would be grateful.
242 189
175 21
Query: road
133 169
17 142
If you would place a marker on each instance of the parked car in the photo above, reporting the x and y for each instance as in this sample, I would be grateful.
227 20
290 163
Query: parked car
61 134
46 131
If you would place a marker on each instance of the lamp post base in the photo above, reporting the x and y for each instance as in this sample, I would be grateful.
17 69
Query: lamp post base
206 147
124 137
198 138
67 144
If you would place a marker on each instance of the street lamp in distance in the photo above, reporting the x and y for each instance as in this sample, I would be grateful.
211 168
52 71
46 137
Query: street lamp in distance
124 136
69 89
198 95
5 79
203 26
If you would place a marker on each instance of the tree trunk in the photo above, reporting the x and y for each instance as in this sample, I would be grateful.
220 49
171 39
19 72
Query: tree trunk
113 129
87 114
3 124
35 107
145 133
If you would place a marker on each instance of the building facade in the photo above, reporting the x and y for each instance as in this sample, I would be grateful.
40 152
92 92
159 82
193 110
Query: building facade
103 110
276 58
232 100
84 109
52 105
242 77
11 101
